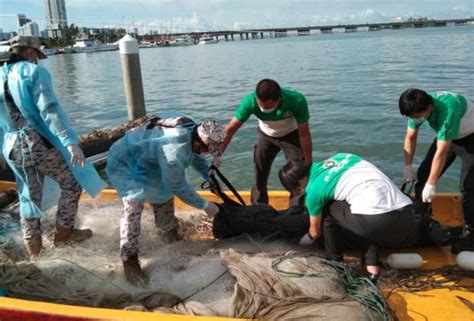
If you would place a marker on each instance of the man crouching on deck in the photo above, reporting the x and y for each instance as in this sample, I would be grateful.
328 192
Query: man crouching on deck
149 164
345 193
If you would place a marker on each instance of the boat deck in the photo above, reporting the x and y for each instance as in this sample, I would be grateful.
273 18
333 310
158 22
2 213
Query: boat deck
447 303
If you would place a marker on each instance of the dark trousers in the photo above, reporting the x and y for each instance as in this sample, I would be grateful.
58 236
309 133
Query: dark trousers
464 148
265 151
398 228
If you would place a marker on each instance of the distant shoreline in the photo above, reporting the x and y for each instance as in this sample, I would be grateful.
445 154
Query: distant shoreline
307 30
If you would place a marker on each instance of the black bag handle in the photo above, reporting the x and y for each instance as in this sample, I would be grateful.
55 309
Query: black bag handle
427 207
214 186
410 185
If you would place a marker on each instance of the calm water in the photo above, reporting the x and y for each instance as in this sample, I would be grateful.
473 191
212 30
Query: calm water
351 81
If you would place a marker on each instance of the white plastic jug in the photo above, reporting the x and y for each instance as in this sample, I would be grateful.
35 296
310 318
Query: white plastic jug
465 260
404 260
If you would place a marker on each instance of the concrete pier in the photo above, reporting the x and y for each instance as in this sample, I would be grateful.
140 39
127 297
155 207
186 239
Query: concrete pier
350 29
303 32
374 28
326 30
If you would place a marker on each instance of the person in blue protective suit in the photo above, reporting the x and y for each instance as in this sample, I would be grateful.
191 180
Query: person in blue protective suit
149 165
37 140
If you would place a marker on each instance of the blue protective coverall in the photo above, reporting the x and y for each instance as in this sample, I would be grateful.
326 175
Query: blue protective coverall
32 90
149 165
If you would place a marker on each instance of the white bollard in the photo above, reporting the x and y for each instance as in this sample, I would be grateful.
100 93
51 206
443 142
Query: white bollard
465 260
132 77
405 260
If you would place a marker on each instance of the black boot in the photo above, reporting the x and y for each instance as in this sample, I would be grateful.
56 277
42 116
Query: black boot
374 277
133 272
464 243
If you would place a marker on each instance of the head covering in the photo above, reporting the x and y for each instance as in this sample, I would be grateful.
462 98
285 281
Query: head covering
27 41
212 134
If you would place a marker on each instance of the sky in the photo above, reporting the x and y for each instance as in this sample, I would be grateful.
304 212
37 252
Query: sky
201 15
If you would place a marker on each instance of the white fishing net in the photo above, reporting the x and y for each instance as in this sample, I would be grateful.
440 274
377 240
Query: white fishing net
203 276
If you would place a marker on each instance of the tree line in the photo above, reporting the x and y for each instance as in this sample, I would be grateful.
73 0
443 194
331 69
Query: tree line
69 34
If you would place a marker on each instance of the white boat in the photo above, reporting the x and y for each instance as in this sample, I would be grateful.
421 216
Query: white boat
146 44
4 46
207 39
89 45
185 40
49 51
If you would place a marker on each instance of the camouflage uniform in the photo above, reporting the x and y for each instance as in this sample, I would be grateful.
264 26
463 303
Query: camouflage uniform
34 157
165 222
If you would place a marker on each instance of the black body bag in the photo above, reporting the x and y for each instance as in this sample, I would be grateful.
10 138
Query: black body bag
236 218
431 231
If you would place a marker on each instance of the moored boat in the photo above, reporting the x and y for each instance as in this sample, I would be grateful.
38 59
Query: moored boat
49 51
185 40
207 40
147 44
88 45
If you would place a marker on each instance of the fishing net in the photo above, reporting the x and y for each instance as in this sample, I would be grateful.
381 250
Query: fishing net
238 277
293 286
450 277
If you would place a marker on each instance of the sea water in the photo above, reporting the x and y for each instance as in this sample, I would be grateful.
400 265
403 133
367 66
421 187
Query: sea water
352 83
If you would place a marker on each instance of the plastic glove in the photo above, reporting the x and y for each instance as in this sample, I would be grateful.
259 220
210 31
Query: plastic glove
428 193
306 240
211 210
77 156
409 175
217 161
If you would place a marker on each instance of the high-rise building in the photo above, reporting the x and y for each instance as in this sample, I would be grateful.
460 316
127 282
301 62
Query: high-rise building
22 20
30 29
3 36
56 18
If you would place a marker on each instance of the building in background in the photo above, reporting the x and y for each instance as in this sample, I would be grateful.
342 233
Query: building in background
29 29
22 20
4 35
56 17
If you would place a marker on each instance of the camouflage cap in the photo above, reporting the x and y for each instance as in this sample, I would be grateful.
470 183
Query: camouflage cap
30 42
212 134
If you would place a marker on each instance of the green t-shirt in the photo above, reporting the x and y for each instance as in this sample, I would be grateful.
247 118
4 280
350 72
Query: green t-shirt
323 179
293 105
445 118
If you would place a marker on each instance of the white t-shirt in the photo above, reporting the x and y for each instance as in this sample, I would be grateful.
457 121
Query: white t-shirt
466 127
369 191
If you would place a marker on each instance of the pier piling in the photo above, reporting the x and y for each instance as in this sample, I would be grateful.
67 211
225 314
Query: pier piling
132 77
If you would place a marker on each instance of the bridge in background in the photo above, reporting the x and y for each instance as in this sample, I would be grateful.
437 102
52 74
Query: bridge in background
304 31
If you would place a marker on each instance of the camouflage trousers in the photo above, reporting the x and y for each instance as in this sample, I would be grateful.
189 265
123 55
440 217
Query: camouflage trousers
165 222
33 160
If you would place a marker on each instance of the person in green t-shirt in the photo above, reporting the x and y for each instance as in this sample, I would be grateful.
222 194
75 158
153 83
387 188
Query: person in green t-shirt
451 116
283 126
348 196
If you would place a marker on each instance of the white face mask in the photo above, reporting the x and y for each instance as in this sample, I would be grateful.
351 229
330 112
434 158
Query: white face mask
267 111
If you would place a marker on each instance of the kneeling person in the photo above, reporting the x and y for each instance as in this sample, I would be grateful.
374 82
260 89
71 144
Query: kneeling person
149 164
345 192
